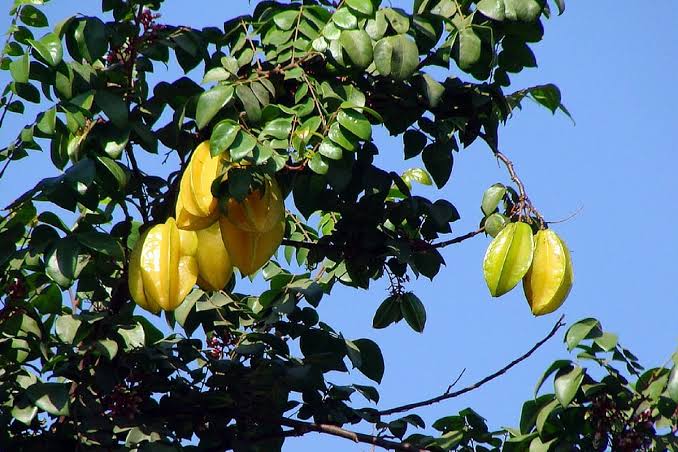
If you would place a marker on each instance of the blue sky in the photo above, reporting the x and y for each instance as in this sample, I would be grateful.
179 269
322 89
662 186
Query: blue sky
615 169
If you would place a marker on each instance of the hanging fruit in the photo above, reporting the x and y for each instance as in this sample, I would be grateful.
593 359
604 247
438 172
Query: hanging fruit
260 211
249 251
196 205
163 268
214 263
549 280
508 258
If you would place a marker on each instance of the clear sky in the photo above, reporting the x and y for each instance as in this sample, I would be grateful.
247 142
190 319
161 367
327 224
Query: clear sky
616 169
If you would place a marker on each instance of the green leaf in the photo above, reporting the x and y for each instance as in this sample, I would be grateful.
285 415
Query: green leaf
223 136
114 107
211 102
358 47
101 243
538 446
545 413
242 146
133 337
249 102
433 90
346 140
555 366
285 20
33 17
107 347
396 56
47 121
318 164
364 7
547 95
413 311
20 69
387 313
278 128
672 384
567 383
24 412
48 48
416 175
67 327
372 361
494 9
61 262
50 397
467 48
491 198
356 123
438 160
49 300
116 171
583 329
344 19
216 74
523 10
330 150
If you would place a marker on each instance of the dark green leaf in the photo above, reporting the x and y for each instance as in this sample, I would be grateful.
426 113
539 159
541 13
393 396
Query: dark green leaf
342 137
50 397
438 160
414 142
250 103
387 313
114 107
330 150
372 361
211 102
396 57
61 262
101 243
672 385
90 37
523 10
413 311
32 16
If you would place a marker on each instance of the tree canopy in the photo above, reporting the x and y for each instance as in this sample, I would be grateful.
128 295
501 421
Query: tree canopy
107 343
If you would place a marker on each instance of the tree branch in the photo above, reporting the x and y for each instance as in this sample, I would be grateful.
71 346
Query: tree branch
301 428
479 383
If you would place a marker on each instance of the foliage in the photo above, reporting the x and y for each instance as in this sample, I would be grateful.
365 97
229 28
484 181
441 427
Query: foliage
294 90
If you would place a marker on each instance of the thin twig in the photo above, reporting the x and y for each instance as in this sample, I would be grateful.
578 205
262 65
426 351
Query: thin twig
301 428
459 239
410 406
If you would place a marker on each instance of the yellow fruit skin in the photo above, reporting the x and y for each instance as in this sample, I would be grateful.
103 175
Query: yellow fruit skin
249 251
186 220
166 273
257 212
214 263
204 170
508 258
549 280
135 280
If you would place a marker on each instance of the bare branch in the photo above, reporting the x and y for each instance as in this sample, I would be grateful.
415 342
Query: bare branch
449 395
459 239
301 428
